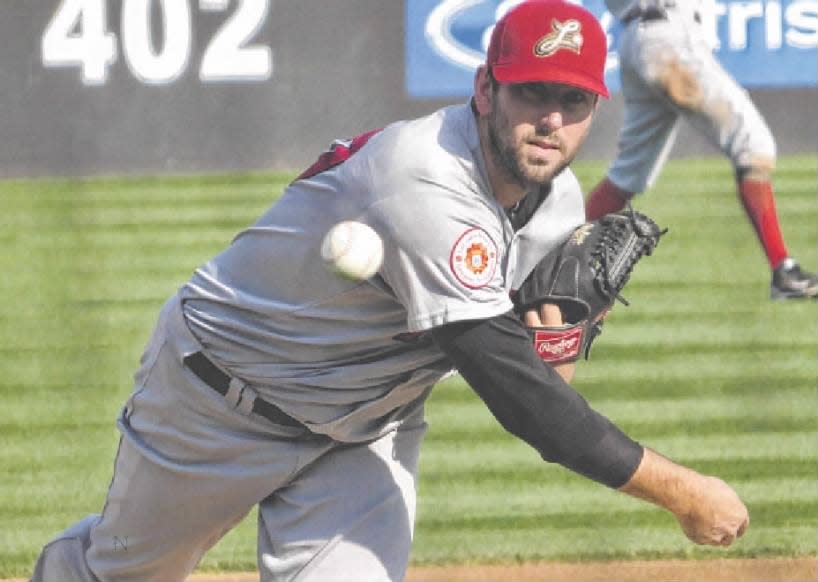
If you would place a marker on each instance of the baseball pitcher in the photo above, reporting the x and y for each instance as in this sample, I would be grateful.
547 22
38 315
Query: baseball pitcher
271 382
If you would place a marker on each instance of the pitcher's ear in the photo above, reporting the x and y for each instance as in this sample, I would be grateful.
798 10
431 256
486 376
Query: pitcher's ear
483 90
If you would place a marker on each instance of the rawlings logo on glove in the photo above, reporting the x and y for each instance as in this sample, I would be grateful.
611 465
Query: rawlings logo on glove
584 276
558 345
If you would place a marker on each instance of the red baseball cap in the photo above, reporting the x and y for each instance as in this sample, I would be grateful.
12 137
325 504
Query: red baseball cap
549 41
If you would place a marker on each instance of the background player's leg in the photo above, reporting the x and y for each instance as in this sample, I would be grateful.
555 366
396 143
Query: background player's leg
606 198
758 201
731 121
727 116
648 131
349 517
645 141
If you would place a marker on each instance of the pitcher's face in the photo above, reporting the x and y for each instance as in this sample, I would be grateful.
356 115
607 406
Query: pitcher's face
536 129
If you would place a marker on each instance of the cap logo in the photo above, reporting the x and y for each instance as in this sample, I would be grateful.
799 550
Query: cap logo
563 35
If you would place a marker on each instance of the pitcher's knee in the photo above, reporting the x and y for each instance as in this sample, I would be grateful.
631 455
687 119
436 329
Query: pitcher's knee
63 559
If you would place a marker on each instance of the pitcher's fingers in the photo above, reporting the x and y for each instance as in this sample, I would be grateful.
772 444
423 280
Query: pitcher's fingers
743 528
550 314
532 318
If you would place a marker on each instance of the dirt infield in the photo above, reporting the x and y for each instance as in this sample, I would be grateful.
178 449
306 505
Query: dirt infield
768 570
756 570
760 570
751 570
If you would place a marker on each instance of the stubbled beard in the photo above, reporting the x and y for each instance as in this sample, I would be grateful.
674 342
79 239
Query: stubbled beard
508 156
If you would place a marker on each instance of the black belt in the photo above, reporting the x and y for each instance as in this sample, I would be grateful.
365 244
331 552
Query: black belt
220 382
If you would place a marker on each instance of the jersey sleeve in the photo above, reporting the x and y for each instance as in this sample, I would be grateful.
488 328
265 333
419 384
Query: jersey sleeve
445 237
444 254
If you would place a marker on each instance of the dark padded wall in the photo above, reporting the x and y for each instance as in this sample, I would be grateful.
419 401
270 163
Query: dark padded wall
337 69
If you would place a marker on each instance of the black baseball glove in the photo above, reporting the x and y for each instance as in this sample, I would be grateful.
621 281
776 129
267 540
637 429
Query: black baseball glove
584 276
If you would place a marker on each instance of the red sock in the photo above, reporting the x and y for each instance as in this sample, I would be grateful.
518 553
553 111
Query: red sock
759 204
604 199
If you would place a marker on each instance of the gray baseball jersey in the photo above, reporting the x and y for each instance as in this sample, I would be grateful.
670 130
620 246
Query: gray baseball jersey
324 349
668 74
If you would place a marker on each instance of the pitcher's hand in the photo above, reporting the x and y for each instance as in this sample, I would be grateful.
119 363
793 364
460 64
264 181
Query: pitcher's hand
716 516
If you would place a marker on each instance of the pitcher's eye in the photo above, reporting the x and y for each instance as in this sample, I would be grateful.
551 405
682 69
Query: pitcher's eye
534 92
576 97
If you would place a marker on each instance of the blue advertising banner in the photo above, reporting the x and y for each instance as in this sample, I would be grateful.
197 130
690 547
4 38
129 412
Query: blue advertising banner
763 43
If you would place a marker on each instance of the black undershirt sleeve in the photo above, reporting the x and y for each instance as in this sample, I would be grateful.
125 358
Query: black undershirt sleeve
531 400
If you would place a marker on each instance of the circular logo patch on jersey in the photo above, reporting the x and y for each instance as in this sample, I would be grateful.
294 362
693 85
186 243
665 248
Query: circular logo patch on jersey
474 258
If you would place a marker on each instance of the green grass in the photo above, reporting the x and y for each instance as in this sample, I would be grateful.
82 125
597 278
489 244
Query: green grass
702 366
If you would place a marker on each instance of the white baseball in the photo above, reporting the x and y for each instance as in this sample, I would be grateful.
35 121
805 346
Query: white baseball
353 250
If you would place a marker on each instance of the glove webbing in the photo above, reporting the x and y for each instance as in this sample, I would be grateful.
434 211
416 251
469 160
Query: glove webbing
614 276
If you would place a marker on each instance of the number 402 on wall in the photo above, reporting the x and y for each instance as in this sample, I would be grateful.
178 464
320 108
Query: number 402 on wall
78 36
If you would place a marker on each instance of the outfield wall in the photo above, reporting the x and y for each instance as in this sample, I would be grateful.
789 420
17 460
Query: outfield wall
94 87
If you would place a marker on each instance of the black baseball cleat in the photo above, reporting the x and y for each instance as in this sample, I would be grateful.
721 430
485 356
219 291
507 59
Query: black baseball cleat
790 282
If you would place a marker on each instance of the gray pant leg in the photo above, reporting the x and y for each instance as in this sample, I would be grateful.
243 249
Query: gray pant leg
729 119
650 123
63 559
349 517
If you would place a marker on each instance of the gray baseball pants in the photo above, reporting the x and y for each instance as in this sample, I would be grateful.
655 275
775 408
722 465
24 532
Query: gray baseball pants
191 465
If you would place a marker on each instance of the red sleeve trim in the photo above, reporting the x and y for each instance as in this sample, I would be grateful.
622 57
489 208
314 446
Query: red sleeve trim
339 151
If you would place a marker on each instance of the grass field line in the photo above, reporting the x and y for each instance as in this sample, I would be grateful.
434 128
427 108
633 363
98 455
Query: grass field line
785 402
548 499
505 453
746 570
